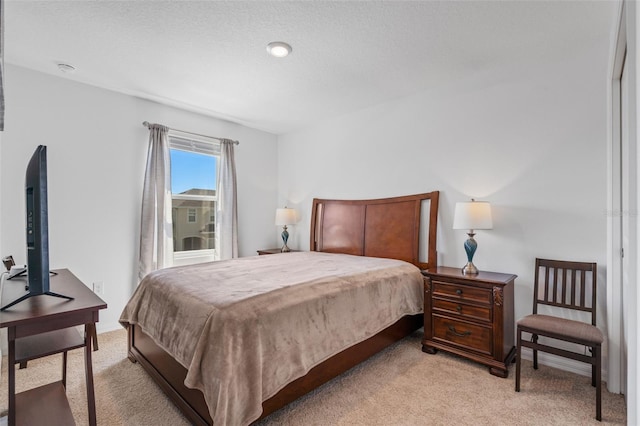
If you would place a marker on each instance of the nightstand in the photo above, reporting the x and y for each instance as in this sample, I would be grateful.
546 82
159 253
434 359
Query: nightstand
470 316
273 251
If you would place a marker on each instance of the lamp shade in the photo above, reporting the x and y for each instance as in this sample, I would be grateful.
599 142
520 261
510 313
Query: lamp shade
472 215
286 216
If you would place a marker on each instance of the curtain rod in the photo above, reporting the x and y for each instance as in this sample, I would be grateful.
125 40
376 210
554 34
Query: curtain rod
147 124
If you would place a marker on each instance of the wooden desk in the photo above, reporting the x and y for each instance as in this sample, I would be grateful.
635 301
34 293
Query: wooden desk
42 326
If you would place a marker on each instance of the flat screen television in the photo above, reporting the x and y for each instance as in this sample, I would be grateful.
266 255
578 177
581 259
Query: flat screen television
37 228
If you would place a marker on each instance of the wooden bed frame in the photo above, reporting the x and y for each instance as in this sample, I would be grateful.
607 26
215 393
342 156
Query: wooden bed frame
387 228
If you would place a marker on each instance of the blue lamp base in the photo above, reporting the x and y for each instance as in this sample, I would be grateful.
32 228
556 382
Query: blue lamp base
285 237
470 247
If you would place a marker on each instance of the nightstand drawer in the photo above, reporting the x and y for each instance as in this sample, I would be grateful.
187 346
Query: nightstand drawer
464 334
462 292
482 313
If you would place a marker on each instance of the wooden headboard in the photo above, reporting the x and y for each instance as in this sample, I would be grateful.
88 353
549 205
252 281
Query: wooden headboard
386 227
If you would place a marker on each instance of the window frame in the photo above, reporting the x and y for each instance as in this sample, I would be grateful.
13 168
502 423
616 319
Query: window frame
197 144
189 210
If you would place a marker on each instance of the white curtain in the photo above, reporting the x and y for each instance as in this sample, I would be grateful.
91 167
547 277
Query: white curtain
156 231
227 205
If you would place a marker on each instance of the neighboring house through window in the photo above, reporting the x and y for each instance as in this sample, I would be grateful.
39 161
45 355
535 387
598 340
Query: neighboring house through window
194 165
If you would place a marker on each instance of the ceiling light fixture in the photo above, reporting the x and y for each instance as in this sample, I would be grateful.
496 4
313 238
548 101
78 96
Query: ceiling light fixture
66 68
279 49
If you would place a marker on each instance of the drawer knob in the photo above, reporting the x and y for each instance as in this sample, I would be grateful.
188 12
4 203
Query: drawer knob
457 333
458 292
458 308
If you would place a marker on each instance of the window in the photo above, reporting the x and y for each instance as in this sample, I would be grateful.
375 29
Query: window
193 185
191 216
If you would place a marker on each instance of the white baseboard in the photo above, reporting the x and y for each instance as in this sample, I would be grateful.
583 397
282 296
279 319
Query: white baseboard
565 364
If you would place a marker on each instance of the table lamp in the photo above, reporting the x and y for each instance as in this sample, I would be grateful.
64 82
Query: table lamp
472 215
284 217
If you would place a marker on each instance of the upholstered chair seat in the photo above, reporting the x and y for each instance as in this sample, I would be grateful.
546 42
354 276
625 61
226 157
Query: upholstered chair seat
564 329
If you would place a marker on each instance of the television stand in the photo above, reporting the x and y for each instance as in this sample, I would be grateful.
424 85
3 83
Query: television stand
28 295
43 327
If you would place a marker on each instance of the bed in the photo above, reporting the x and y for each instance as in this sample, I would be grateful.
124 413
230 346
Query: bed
360 271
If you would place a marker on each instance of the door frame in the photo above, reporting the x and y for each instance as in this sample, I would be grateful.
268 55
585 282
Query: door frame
616 370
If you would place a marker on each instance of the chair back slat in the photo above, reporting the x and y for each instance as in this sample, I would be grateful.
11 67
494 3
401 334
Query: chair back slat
574 286
558 276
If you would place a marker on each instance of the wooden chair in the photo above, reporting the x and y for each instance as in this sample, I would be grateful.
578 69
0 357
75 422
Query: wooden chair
569 285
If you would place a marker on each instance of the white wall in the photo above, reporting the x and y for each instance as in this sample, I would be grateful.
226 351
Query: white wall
97 150
529 139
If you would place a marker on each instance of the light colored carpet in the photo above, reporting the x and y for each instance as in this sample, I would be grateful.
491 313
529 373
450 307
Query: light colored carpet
400 386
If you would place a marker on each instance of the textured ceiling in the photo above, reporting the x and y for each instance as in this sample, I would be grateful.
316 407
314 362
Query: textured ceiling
210 56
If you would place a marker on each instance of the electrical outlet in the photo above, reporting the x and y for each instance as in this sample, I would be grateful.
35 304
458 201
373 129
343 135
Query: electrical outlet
98 287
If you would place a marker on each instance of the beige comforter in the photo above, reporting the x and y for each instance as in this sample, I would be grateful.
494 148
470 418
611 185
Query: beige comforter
247 327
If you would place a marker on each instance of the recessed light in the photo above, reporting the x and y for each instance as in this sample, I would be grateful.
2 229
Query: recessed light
279 49
66 68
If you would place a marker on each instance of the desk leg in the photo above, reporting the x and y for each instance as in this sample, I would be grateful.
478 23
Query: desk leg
95 338
89 330
64 370
11 368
